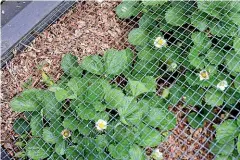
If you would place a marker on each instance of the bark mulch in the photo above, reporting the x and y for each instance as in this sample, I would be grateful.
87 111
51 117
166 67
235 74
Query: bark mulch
89 28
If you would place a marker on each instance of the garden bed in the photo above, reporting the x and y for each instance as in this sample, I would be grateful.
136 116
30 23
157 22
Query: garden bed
91 28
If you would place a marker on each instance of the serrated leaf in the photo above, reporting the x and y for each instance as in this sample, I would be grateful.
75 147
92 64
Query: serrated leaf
153 3
176 92
215 56
119 151
149 137
193 96
222 149
231 96
70 123
74 152
21 126
201 42
233 62
222 28
101 142
36 148
117 61
48 136
93 64
126 9
176 16
26 101
214 97
36 125
237 83
195 120
137 36
68 62
60 147
161 118
77 86
147 84
76 71
136 153
85 111
226 131
199 20
130 113
85 127
238 144
236 44
113 97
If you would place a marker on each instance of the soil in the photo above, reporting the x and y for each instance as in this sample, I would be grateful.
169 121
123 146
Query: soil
89 28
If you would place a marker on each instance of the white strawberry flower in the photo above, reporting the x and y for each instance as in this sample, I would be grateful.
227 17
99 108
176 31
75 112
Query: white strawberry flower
203 75
160 42
222 85
101 124
157 155
66 133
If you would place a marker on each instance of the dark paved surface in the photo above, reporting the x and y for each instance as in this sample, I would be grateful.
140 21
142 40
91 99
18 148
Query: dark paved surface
11 8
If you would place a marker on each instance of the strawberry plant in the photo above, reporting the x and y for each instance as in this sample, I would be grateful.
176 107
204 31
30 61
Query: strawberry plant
88 114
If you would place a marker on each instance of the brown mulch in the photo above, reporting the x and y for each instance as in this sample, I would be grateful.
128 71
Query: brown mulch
89 28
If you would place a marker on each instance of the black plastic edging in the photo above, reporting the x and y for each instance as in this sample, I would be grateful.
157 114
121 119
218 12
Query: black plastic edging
35 17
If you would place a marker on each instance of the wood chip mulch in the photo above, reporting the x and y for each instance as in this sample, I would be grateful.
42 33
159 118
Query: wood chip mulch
89 28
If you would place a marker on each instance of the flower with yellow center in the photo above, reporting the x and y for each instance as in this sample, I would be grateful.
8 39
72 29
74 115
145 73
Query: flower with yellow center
157 155
101 125
66 133
160 42
203 75
222 85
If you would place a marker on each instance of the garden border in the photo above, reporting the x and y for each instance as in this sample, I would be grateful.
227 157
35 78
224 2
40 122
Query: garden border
28 23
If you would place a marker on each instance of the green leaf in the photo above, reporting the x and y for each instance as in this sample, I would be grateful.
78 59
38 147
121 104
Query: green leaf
233 62
68 62
126 9
147 21
119 151
176 16
176 94
99 106
147 84
85 111
48 136
153 3
113 98
130 112
76 71
93 64
51 106
237 83
222 149
222 28
201 42
74 152
193 96
236 44
136 153
214 97
94 90
21 126
60 147
70 123
161 118
101 142
226 131
149 137
231 96
199 20
62 94
195 120
36 125
215 56
85 127
26 101
117 61
238 144
36 148
77 86
137 36
148 54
